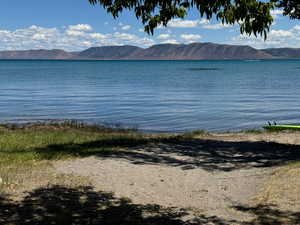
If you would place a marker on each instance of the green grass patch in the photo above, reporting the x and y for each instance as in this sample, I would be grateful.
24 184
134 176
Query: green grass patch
254 131
294 164
21 146
26 150
192 134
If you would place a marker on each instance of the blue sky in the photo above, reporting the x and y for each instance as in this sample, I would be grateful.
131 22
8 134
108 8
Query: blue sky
74 25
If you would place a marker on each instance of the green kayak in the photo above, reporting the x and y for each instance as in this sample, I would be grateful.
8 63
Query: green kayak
282 127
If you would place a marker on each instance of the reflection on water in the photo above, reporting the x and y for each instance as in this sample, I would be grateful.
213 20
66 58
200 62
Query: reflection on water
153 95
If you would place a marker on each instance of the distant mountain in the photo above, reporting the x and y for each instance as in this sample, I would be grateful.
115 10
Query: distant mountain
194 51
198 51
109 52
283 52
36 54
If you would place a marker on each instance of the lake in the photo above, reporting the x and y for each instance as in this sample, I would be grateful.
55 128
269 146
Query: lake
157 96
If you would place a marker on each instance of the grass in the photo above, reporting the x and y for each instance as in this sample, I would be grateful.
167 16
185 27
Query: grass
295 164
254 131
22 146
282 188
27 150
192 134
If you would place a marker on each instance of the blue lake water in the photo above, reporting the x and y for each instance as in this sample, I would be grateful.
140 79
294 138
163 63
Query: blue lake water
152 95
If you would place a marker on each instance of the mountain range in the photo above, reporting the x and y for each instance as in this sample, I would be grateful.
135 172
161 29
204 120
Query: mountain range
194 51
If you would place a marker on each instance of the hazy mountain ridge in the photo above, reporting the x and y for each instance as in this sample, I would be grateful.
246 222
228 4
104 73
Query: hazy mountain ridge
200 51
283 52
194 51
109 52
36 54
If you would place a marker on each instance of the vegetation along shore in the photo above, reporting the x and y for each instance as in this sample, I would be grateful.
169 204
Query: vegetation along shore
91 173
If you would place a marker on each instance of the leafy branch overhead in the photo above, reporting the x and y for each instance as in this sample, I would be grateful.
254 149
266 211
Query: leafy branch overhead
253 16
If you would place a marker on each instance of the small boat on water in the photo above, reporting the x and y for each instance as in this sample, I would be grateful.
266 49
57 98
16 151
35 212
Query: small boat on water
274 127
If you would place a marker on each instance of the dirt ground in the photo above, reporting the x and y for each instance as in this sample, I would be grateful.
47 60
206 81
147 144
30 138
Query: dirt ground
212 179
241 178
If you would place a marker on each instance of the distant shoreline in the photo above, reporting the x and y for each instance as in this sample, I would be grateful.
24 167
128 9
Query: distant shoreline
193 51
143 60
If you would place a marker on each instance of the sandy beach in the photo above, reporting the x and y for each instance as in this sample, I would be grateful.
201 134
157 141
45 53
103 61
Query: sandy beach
213 175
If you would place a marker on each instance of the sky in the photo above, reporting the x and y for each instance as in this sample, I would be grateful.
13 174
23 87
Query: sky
75 25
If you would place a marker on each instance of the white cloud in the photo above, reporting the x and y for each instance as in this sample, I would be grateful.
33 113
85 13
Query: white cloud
217 26
280 33
297 28
132 38
190 37
124 36
87 43
97 35
203 23
179 23
163 36
78 30
39 36
275 39
4 32
126 27
145 41
71 38
81 27
170 41
75 33
276 12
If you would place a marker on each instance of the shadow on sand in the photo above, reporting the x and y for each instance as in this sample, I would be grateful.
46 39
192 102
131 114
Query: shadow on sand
187 153
59 205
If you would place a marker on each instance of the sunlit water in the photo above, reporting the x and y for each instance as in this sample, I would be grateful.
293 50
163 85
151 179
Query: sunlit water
153 95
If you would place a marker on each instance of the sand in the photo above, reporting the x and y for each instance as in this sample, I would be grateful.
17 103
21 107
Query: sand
211 193
212 175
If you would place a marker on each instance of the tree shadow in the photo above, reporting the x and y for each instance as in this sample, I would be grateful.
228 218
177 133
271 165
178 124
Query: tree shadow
187 153
59 205
269 214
